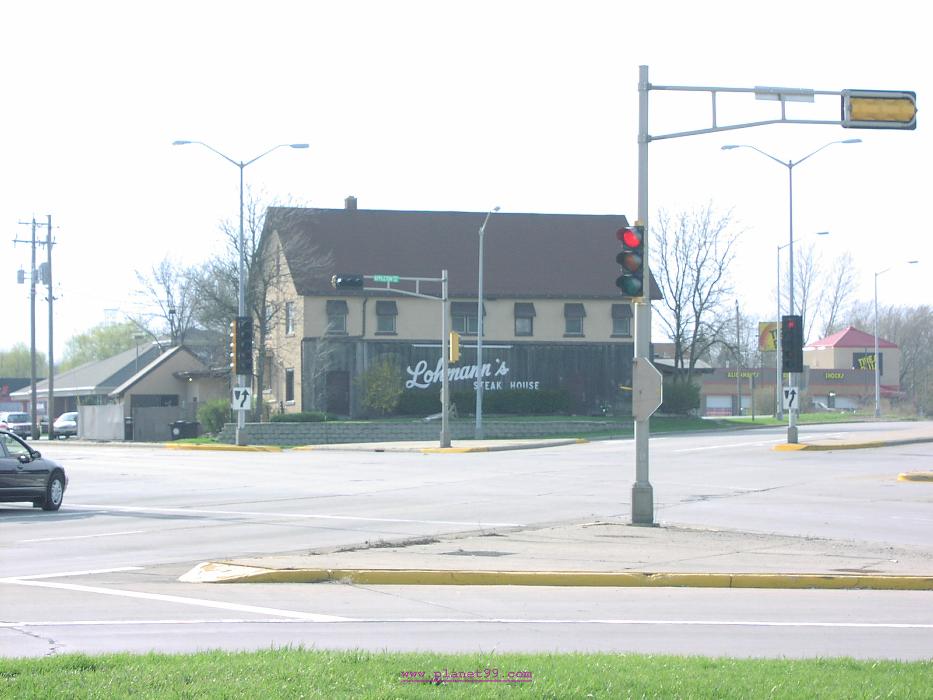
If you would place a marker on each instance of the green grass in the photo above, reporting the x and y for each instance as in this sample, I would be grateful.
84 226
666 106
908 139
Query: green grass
299 673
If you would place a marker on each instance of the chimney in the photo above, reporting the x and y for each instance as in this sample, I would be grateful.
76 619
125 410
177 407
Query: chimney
350 203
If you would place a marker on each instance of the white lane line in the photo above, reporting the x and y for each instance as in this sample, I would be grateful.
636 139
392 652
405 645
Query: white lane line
757 443
84 537
306 516
60 574
324 619
158 597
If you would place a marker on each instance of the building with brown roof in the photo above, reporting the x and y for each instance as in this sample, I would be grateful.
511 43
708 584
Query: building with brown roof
553 317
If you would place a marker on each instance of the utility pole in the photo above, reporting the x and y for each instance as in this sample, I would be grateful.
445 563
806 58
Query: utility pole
46 278
50 402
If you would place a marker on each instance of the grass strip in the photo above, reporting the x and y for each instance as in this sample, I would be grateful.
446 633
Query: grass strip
301 673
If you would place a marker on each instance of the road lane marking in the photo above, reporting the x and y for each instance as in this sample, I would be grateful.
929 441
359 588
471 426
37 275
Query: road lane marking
324 619
306 516
161 598
757 443
60 574
84 537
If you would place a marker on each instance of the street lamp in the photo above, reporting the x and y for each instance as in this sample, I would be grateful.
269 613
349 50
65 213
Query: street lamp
875 359
241 292
778 384
790 164
478 429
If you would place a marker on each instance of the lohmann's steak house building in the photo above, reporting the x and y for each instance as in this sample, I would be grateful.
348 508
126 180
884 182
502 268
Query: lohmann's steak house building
553 317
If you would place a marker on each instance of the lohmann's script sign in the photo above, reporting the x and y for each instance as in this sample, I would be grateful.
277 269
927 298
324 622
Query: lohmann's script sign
493 377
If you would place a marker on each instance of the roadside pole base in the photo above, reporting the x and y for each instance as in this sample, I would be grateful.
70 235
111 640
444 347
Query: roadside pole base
642 504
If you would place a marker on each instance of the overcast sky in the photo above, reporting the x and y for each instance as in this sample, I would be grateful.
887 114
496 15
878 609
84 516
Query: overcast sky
438 105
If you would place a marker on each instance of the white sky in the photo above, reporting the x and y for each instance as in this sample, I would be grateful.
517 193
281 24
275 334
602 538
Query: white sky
435 105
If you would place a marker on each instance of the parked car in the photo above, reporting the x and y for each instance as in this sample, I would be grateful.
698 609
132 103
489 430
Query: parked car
18 422
25 475
66 424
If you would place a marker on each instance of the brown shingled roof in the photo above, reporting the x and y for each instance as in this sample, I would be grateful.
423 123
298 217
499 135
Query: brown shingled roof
526 255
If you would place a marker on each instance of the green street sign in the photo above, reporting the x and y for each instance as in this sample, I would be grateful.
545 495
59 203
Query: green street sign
386 278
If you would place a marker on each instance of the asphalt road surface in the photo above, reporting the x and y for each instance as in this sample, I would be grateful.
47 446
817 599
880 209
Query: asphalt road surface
101 574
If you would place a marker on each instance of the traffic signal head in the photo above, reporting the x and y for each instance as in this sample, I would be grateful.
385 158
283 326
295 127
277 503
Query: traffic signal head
631 261
792 343
243 347
347 281
233 329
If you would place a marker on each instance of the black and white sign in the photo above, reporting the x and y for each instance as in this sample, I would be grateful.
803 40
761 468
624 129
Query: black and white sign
241 399
790 398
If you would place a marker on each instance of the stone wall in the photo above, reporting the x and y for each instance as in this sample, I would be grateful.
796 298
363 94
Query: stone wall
335 432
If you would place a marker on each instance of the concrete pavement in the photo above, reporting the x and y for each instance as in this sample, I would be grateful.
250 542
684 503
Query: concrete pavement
608 553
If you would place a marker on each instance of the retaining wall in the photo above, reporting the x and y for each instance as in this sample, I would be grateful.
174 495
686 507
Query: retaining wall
362 431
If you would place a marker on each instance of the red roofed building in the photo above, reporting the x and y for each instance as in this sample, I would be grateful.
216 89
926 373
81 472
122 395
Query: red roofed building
842 368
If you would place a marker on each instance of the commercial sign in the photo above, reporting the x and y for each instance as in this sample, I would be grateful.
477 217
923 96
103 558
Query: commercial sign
767 336
866 361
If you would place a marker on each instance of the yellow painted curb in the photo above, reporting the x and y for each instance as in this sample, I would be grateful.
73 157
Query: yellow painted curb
220 572
224 447
847 446
789 447
915 476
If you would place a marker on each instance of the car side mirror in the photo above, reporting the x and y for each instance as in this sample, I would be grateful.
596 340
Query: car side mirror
36 454
25 459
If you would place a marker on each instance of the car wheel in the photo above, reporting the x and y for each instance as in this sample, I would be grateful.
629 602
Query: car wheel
54 492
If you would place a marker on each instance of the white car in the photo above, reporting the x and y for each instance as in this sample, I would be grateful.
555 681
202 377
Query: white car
66 424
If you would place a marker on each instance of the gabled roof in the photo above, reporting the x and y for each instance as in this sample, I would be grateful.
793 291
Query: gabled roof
851 337
154 365
526 255
99 377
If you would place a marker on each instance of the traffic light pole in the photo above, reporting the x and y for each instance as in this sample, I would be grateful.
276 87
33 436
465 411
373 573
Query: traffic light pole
356 281
642 493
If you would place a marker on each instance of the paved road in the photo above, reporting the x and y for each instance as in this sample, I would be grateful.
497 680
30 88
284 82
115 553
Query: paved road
151 514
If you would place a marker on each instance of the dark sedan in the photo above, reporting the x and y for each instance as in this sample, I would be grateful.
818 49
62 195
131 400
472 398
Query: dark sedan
25 475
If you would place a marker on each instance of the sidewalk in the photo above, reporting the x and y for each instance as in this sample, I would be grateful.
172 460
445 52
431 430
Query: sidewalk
605 553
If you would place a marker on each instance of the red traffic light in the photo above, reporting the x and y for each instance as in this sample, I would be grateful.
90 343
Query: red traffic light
631 260
630 237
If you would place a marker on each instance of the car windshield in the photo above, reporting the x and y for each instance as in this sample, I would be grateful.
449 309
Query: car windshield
17 418
68 416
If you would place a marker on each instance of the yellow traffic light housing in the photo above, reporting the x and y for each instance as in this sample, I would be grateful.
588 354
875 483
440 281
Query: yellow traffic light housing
454 352
879 109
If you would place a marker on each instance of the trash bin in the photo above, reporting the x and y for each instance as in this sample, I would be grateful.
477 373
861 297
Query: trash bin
184 429
128 428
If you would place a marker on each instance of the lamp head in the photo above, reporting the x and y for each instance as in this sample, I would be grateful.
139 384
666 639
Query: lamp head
851 141
730 146
180 143
297 145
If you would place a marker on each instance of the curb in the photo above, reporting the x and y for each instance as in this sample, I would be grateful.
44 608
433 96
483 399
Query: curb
915 476
822 447
223 447
224 572
503 448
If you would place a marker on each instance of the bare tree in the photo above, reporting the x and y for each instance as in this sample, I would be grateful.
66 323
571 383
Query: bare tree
691 253
170 288
809 290
840 286
267 275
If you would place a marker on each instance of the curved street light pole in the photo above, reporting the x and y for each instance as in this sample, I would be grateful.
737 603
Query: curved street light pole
242 380
790 165
478 429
